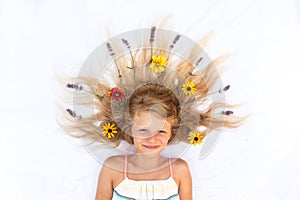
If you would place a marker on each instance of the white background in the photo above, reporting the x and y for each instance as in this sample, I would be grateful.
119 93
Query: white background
259 160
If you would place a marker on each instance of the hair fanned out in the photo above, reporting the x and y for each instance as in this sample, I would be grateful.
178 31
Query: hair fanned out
182 84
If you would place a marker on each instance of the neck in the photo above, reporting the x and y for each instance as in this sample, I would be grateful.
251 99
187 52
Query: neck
148 162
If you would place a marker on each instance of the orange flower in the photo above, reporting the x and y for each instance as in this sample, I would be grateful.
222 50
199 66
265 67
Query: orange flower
117 94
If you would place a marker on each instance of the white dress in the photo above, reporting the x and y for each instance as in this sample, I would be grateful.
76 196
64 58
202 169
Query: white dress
146 190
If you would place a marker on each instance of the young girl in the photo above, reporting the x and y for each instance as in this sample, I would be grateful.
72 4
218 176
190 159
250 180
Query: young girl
148 88
146 174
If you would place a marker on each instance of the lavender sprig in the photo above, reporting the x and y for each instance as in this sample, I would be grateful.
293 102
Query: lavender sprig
152 35
198 61
126 43
227 112
220 90
79 88
224 89
112 53
175 41
224 112
75 86
128 46
73 114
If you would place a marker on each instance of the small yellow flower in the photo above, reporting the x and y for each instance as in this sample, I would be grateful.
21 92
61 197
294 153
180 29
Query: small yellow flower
109 130
189 88
158 64
196 138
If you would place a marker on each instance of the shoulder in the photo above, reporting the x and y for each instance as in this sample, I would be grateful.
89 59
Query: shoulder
183 178
112 169
179 164
114 160
180 170
108 175
114 163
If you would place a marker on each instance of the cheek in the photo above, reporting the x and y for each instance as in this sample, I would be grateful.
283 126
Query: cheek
166 139
137 141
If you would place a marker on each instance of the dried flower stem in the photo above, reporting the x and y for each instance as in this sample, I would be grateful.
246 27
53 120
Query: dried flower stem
112 53
173 44
77 88
225 112
128 46
220 90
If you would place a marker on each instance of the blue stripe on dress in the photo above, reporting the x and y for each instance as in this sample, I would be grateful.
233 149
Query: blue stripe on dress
117 196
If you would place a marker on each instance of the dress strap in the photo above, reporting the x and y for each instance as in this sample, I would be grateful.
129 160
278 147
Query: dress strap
170 165
125 166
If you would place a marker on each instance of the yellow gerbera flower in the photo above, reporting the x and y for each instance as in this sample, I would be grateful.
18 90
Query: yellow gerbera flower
189 88
109 130
196 138
158 64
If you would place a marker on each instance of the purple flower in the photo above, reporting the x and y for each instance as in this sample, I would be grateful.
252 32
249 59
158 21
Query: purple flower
72 113
74 86
226 88
110 49
175 41
228 112
198 61
126 43
152 35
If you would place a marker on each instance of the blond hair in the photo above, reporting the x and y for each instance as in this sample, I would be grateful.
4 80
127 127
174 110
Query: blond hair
144 89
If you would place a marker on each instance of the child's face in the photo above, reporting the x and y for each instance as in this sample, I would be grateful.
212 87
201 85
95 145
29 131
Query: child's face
150 132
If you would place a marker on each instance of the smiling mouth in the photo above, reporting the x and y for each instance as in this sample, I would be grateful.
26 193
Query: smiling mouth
151 146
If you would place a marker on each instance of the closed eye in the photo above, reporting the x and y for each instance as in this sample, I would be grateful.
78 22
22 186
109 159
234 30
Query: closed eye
142 130
162 131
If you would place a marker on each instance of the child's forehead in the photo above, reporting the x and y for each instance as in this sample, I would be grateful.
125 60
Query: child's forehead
148 119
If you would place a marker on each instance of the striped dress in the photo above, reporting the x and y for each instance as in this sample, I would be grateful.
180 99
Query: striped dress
152 189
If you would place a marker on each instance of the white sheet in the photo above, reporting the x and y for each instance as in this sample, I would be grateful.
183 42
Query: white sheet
260 160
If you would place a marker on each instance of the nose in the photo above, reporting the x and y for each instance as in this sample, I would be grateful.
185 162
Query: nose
152 139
